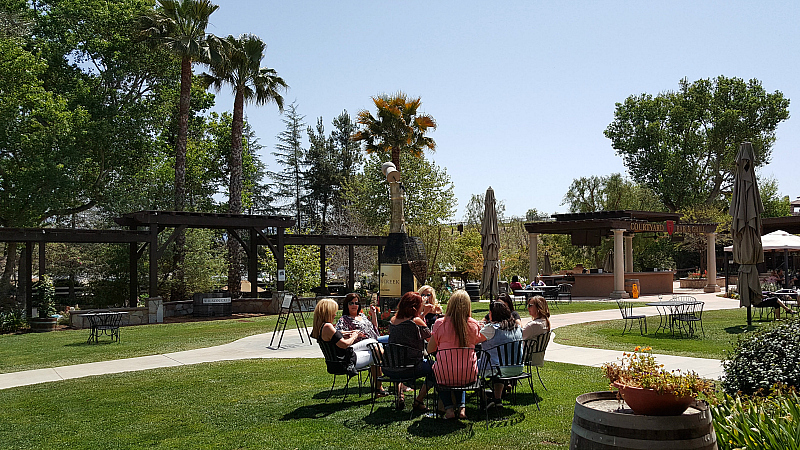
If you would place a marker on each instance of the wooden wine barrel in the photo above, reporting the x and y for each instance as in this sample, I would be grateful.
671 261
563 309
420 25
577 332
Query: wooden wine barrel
600 424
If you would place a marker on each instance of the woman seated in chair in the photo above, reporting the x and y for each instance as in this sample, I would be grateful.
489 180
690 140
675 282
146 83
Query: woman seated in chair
505 298
354 320
501 329
515 284
432 309
324 331
407 328
540 313
455 330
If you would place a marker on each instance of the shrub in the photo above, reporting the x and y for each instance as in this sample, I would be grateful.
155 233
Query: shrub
13 320
742 422
764 358
45 298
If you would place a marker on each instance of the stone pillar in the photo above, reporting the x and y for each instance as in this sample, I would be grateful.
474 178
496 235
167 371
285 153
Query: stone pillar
619 267
155 310
629 254
533 255
711 272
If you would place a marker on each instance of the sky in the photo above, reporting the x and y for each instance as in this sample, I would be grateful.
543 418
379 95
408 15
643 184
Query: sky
521 90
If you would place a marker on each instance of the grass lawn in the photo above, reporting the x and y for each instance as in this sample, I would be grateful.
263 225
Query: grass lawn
255 404
39 350
722 329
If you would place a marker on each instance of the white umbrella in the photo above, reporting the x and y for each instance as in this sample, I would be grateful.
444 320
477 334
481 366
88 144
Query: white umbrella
490 244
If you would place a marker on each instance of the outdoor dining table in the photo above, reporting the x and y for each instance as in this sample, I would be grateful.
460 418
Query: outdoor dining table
104 322
666 311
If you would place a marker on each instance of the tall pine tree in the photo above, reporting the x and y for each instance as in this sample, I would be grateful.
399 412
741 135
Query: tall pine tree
289 153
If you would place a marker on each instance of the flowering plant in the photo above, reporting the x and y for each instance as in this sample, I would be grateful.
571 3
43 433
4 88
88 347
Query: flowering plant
639 369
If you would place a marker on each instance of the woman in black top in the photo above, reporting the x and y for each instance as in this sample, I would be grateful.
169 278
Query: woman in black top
323 330
407 328
505 298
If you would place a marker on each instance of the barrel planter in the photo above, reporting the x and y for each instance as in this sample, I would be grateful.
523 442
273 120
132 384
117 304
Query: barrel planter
43 324
473 290
601 422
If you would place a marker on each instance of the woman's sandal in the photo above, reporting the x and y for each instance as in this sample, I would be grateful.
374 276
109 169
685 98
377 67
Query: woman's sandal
449 414
420 406
381 393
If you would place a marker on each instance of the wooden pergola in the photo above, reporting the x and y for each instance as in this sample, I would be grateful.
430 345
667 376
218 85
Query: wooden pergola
249 230
253 225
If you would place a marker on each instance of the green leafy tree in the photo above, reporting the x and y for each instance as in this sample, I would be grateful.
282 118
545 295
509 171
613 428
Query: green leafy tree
682 144
239 66
398 127
609 193
302 268
290 154
476 208
775 205
332 161
429 197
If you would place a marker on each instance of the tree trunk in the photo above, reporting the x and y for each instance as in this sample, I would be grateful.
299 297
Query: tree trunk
178 291
235 193
5 279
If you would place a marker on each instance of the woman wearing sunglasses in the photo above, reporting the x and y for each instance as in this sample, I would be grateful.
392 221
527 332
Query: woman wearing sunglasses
354 320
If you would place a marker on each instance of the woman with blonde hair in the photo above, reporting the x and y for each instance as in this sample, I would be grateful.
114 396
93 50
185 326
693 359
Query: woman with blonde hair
457 329
431 308
341 341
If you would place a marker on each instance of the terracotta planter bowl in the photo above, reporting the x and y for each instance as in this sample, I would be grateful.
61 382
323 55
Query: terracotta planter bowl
648 402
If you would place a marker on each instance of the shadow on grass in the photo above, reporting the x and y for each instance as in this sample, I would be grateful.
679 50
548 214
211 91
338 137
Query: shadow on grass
739 329
320 410
352 391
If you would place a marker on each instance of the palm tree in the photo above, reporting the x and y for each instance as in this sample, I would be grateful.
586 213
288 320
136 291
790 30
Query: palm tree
239 66
180 26
398 127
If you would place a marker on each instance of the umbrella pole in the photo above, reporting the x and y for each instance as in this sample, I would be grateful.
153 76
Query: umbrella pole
749 317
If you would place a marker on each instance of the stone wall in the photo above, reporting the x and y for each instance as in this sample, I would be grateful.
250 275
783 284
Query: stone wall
181 308
238 305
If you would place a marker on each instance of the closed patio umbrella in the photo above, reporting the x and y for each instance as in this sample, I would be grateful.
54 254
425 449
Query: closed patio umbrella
746 209
608 265
547 269
490 244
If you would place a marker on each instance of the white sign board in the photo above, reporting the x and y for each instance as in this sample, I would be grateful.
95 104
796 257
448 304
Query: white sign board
212 300
281 275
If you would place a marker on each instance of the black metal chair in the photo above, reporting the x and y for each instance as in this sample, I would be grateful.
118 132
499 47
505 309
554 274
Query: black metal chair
510 367
534 357
688 316
565 292
398 364
626 308
339 363
455 371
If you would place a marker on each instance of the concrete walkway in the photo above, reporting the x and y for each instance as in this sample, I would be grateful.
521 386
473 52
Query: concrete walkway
257 346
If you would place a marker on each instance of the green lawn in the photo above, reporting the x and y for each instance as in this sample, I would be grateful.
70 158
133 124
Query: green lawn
721 331
255 404
39 350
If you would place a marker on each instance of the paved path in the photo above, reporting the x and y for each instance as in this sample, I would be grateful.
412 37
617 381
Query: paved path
257 346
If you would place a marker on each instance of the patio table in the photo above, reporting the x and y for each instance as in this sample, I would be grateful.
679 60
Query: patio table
666 309
104 322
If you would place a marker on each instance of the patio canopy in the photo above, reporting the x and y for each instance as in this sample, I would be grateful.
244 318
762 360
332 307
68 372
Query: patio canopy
777 241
